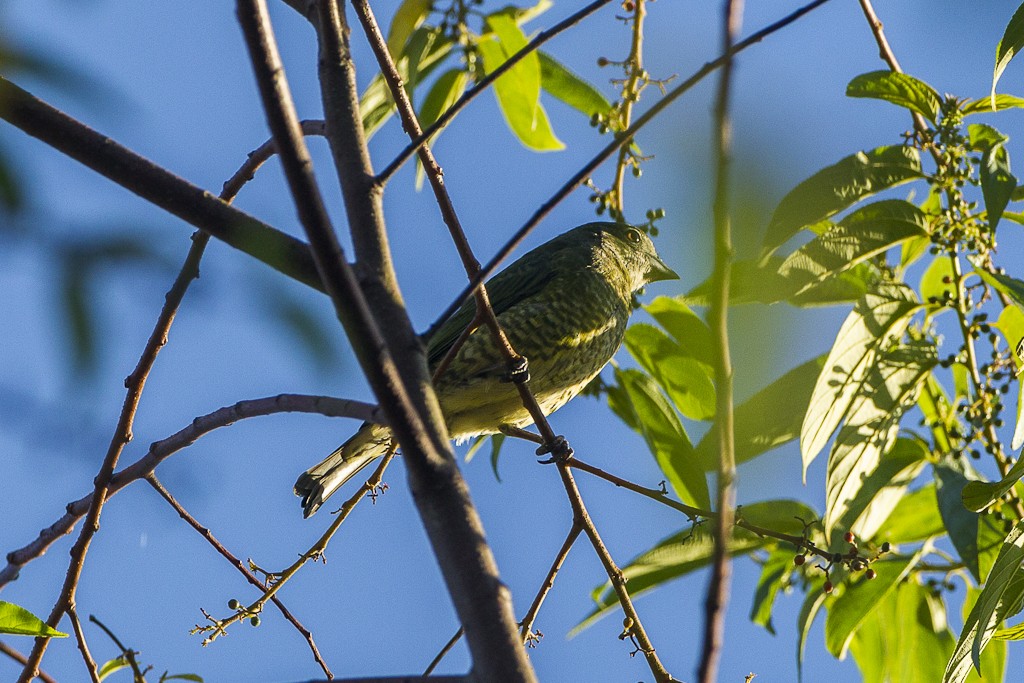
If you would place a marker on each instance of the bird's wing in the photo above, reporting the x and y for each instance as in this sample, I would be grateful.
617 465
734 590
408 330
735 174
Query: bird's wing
523 279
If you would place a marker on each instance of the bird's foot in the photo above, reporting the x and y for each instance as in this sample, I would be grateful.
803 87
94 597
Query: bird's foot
518 370
559 449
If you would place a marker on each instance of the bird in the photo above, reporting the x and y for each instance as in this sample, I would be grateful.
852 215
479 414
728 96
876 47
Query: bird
564 306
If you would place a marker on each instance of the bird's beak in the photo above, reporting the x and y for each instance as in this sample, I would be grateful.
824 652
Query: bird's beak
660 271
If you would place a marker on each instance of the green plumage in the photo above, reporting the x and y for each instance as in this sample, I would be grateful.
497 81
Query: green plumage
564 306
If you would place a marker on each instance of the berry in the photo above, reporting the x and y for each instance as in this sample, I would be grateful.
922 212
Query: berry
870 574
849 537
255 621
799 560
828 587
233 604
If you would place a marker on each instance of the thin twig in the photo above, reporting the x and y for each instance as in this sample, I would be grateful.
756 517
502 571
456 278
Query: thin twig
127 653
526 629
718 317
161 450
621 139
21 659
444 651
630 95
445 118
76 625
240 566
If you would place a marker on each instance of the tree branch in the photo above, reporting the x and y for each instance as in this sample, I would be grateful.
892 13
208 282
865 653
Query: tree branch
718 318
21 659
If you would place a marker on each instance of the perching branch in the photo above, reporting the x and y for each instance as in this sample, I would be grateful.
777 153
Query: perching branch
6 649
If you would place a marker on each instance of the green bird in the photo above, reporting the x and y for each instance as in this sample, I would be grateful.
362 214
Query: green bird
564 306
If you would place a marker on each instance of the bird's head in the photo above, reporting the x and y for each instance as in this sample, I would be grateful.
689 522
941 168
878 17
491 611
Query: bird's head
634 252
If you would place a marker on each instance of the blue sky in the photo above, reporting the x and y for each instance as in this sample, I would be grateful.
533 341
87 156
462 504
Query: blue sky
171 81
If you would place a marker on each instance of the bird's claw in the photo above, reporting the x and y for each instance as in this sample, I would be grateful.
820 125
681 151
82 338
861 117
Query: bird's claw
559 449
518 370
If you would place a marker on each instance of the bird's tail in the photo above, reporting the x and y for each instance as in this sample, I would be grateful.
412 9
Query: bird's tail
319 483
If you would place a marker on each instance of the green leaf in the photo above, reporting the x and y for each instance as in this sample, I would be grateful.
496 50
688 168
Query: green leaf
691 549
937 282
951 476
866 232
901 640
898 88
871 425
182 677
984 106
665 437
685 326
18 621
1011 324
838 187
1010 286
112 665
569 88
518 89
774 576
444 93
496 441
979 495
879 316
1008 47
808 610
1002 592
861 597
686 380
1010 633
936 410
768 419
915 518
407 18
993 659
997 182
884 487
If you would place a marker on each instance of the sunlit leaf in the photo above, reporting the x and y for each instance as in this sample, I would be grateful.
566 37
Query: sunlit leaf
774 575
1011 324
883 488
984 106
915 518
18 621
687 381
1010 286
685 326
568 87
997 182
444 93
878 317
979 495
937 283
839 187
1008 47
898 88
406 19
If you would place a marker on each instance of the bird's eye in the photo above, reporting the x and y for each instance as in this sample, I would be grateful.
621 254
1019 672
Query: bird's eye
633 236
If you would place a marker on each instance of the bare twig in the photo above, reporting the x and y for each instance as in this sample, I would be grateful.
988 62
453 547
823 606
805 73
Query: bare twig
127 653
21 659
444 651
161 450
718 588
622 139
90 663
445 118
526 629
240 566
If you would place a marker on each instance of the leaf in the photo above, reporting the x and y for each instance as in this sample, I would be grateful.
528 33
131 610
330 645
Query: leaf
937 282
444 93
689 550
112 665
984 106
569 88
808 610
898 88
518 89
686 381
1010 286
993 659
496 441
685 326
18 621
951 476
304 324
979 495
997 182
878 317
768 419
868 231
838 187
407 18
1008 47
1011 324
182 677
915 518
666 438
774 576
870 428
1001 593
861 598
12 196
884 487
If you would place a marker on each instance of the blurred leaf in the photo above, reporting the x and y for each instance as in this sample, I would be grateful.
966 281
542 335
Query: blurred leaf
110 666
407 18
665 437
900 640
870 230
984 106
569 88
951 476
997 182
12 197
445 92
838 187
518 89
18 621
877 317
898 88
915 518
774 576
1011 324
685 326
75 299
861 597
182 677
769 418
808 610
1008 47
686 381
870 426
496 441
303 324
478 442
689 550
1002 592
